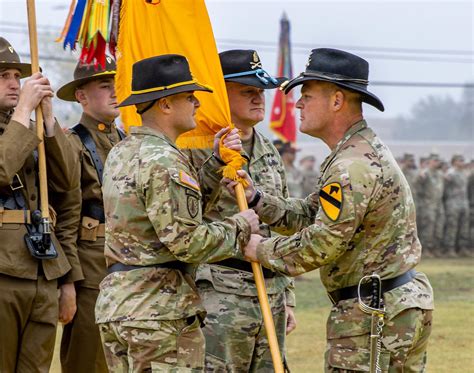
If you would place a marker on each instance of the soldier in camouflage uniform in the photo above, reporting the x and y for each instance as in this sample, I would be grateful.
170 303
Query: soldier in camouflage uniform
90 140
148 309
470 195
362 221
295 176
310 175
456 205
430 186
410 171
236 339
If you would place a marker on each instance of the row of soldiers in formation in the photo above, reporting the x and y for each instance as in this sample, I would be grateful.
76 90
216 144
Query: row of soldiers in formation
443 193
444 198
151 208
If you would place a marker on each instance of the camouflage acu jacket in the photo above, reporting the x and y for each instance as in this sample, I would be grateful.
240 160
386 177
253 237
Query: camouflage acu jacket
362 221
455 190
266 168
430 189
152 202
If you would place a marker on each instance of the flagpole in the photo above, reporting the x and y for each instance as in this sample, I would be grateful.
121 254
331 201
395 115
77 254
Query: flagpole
262 295
43 185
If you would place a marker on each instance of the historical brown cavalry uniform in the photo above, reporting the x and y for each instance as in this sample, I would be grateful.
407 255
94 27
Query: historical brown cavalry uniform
28 286
90 141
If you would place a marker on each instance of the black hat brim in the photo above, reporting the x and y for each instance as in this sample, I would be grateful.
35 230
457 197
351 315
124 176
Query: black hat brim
253 81
24 68
68 91
367 97
134 99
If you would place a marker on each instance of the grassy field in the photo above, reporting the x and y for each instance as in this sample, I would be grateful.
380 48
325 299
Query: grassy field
451 346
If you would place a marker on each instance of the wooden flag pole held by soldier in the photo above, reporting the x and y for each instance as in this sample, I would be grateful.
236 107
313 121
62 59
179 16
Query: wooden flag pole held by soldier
43 186
138 20
262 295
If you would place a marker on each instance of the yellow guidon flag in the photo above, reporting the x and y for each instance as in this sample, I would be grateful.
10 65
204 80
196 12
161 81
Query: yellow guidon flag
150 28
330 198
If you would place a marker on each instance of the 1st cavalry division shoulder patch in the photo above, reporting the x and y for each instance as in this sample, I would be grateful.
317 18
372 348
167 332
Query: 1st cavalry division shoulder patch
330 198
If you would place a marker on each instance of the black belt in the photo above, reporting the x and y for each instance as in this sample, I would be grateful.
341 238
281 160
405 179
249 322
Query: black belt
93 210
244 266
366 289
120 267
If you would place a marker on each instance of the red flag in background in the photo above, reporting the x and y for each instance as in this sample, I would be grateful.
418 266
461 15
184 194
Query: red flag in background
282 120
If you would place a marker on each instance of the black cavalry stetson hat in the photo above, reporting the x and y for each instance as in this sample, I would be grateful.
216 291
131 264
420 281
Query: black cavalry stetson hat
9 59
85 73
244 67
341 68
161 76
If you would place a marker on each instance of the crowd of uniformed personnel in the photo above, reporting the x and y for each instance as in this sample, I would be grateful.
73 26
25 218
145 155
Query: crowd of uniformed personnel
152 261
443 191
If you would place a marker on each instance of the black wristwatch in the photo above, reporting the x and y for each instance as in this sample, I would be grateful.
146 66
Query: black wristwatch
256 199
214 155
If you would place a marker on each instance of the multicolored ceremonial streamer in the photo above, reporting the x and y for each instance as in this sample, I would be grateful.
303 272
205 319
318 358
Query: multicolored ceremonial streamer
282 120
137 29
88 25
182 27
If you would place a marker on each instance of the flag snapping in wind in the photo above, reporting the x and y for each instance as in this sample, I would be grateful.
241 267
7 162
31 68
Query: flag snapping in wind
282 120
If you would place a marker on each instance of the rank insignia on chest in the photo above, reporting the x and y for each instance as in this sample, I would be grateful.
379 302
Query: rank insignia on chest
330 199
188 180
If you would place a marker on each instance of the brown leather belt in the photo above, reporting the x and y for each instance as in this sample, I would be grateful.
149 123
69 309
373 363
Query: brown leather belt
101 230
14 216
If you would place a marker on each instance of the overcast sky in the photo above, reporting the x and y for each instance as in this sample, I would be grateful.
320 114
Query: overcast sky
374 30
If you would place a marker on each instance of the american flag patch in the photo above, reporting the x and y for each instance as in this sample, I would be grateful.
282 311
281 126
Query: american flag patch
188 180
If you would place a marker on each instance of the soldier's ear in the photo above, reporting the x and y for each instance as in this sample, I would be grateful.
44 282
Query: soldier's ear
80 96
338 100
164 104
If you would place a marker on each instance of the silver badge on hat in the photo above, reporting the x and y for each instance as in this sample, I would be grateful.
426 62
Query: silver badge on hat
10 49
109 60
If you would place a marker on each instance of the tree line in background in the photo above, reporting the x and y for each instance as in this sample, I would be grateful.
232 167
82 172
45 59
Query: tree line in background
439 118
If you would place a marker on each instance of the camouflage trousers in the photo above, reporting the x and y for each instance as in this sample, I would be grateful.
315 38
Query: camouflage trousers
236 339
427 228
153 346
404 341
456 232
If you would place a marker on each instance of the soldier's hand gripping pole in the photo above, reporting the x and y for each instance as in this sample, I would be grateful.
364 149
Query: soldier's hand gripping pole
43 186
262 295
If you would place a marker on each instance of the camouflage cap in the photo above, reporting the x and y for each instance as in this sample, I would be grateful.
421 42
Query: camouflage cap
434 156
308 158
457 157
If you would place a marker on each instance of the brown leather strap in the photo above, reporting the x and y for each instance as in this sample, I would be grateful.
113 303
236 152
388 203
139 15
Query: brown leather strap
101 230
14 216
